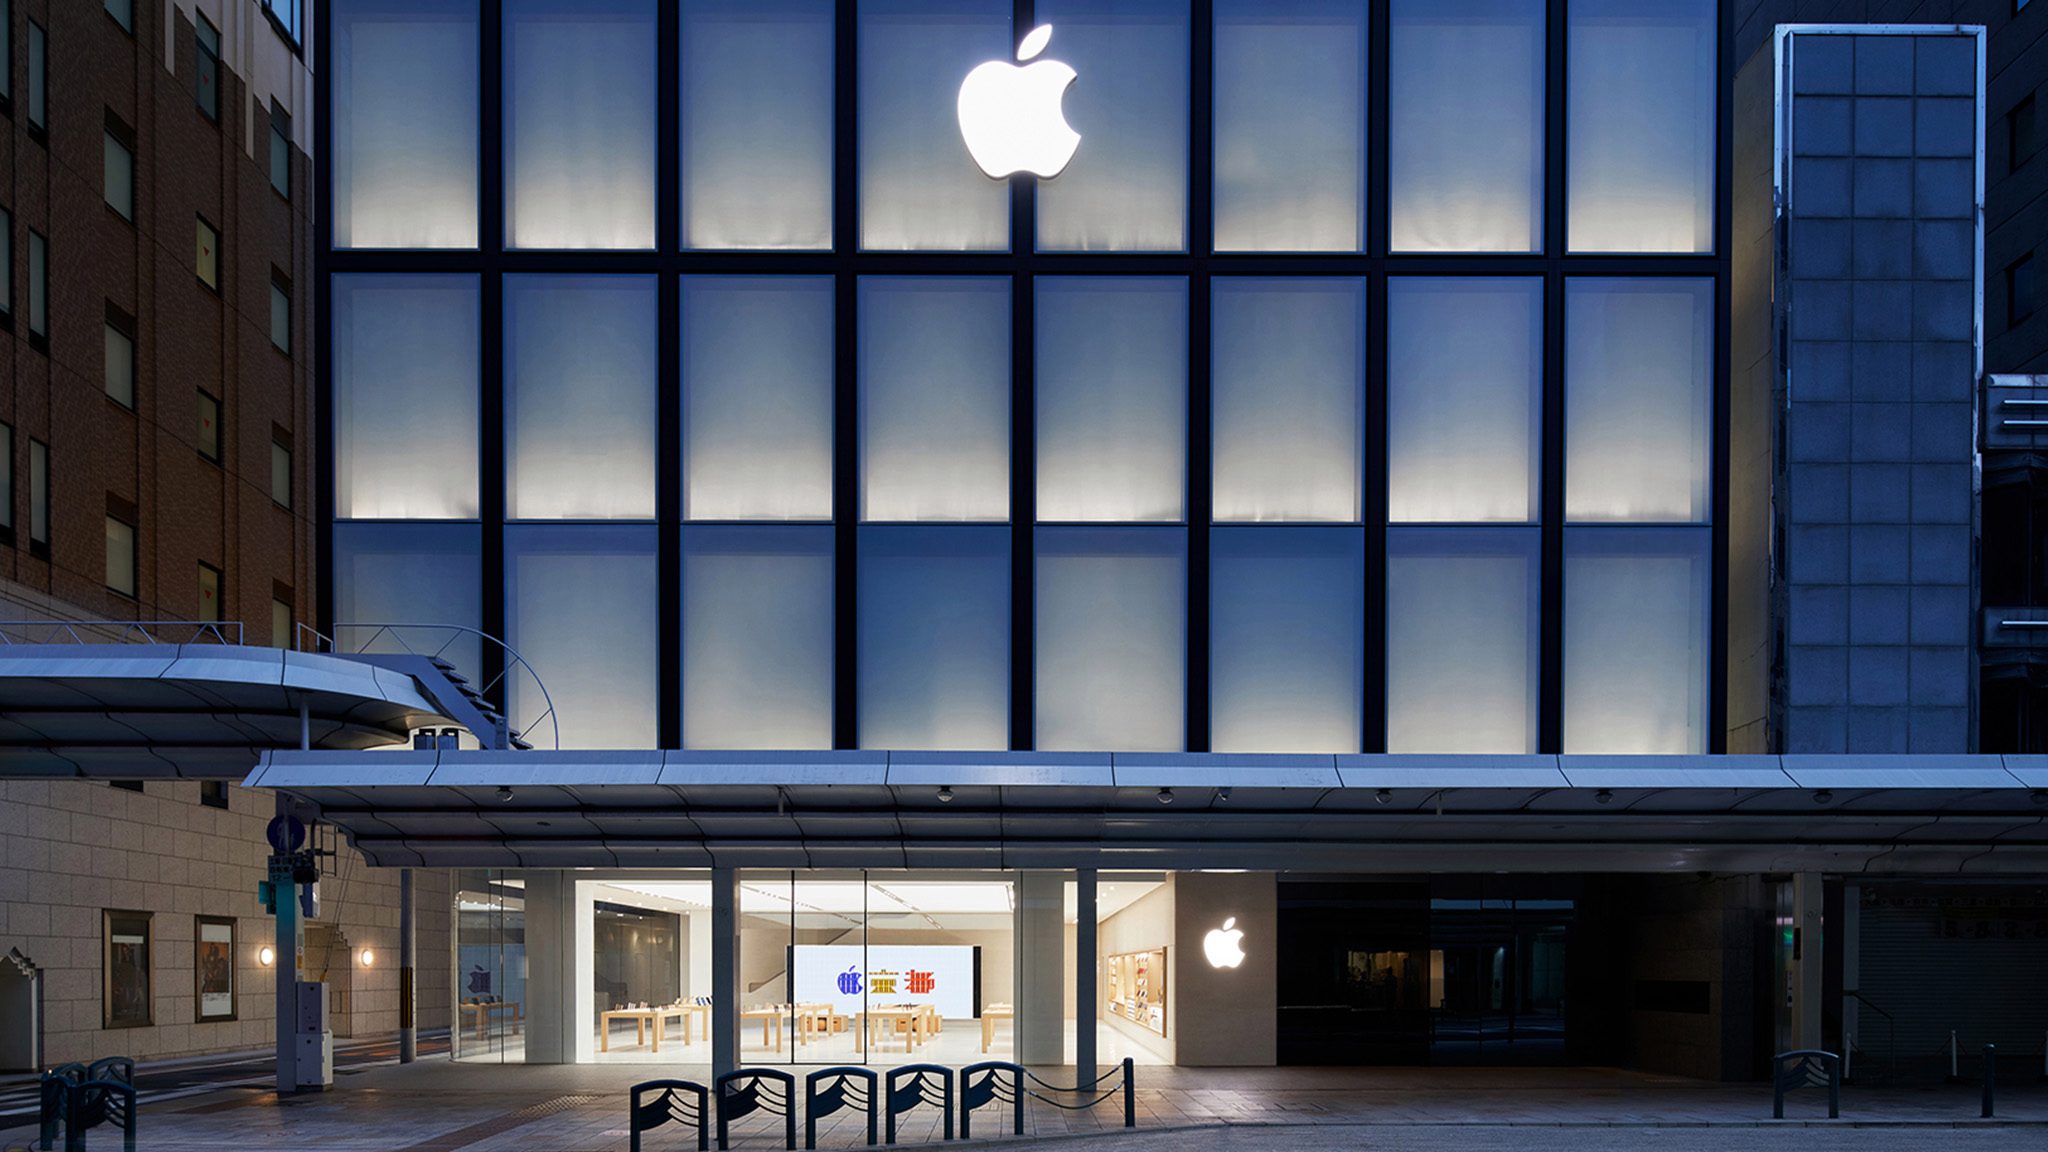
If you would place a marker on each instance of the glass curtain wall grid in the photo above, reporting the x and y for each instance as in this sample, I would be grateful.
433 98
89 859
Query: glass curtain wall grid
1314 407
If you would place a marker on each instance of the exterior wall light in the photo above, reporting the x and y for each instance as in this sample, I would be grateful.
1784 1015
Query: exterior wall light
266 956
504 793
369 957
1823 796
1603 796
1383 796
945 794
1166 795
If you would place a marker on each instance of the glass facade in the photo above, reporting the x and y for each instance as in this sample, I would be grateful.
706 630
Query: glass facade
1308 409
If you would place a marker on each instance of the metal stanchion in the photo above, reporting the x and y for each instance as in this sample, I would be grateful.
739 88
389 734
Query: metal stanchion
1990 1080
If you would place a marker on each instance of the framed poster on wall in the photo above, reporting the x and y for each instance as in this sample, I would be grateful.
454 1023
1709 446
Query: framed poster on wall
125 994
213 967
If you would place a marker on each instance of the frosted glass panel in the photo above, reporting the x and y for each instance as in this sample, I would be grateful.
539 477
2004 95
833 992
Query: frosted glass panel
1465 153
1286 639
581 603
1290 125
1112 365
406 361
757 123
418 574
1635 640
1288 365
405 90
1638 396
1111 620
1464 399
918 186
757 397
580 385
935 398
1126 190
1462 639
579 123
757 637
1641 128
934 638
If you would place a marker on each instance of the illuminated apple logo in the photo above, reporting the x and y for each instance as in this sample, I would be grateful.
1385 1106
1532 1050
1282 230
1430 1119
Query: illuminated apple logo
1010 116
1224 946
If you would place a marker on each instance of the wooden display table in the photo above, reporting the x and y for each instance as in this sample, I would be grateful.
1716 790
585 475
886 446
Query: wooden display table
989 1015
771 1017
916 1023
658 1017
483 1010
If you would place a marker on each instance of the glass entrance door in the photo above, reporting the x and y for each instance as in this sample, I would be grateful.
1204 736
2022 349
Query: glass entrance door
1497 972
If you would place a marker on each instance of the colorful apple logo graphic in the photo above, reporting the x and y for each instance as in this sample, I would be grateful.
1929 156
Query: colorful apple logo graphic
1224 946
849 982
1010 116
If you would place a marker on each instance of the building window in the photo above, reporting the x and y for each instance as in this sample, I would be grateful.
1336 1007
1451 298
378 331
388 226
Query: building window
120 328
123 12
1110 642
757 397
2022 135
580 97
934 398
38 82
1635 640
757 124
7 54
281 151
758 616
414 572
918 188
288 17
405 138
39 497
6 261
1465 146
209 593
1639 387
206 76
1286 638
1112 388
1462 636
119 178
38 290
407 362
1464 399
213 793
1640 130
934 596
280 312
281 467
120 553
209 426
581 387
2019 290
603 658
281 600
6 483
1288 398
207 255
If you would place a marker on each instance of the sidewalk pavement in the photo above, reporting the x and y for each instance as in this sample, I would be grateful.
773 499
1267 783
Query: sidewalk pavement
440 1106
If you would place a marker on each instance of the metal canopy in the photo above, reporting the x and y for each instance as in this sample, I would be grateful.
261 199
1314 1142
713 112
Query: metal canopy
1049 810
136 711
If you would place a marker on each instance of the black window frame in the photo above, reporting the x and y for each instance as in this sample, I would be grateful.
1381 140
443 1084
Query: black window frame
39 502
205 397
205 60
220 592
2022 291
120 321
281 441
7 264
124 513
37 77
123 137
7 461
2022 133
127 25
213 794
280 148
198 272
38 292
280 285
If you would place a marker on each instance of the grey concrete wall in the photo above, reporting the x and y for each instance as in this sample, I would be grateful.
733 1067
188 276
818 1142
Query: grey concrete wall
1686 928
1224 1016
1875 484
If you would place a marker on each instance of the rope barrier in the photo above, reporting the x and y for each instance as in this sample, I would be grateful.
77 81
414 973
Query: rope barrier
1073 1107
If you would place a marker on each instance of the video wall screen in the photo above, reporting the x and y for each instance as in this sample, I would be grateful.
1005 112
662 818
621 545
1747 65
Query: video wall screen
847 976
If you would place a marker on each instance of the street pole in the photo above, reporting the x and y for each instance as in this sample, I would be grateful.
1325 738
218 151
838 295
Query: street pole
408 1034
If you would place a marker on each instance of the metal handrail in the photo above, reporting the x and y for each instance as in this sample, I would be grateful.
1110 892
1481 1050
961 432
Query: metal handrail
322 642
14 632
1891 1055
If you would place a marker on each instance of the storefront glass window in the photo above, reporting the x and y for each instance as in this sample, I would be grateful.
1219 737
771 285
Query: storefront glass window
934 637
407 352
407 573
491 1003
919 188
1126 189
1465 153
757 123
1635 640
580 607
757 397
1286 639
1111 647
405 90
1464 399
935 398
1112 365
1287 396
1290 125
580 381
579 123
1638 399
1462 640
757 636
1641 128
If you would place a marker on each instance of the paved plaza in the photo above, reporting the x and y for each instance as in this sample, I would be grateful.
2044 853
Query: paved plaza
439 1106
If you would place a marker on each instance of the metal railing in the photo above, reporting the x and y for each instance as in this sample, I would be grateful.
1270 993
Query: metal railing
433 642
13 632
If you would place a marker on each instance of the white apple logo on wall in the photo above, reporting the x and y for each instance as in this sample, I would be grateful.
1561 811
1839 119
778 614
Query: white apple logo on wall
1224 946
1010 116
